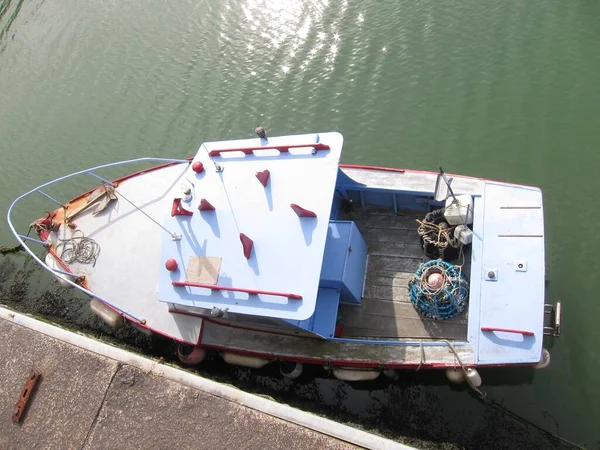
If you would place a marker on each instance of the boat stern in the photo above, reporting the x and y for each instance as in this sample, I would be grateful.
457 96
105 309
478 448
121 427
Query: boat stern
508 275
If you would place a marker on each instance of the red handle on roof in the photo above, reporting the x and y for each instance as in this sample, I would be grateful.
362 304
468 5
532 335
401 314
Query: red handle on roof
229 288
282 148
508 330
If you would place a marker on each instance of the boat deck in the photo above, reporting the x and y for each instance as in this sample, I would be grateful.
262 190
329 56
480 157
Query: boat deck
127 269
394 255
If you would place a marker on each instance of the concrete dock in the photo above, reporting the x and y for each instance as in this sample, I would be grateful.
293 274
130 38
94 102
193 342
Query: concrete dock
92 395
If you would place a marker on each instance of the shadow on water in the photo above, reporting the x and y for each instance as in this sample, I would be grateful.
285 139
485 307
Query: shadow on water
419 408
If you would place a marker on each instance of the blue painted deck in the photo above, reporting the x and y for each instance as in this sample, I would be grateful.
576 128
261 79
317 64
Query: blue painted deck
288 250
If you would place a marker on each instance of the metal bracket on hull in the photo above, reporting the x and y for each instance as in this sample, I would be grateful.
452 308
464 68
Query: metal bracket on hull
555 314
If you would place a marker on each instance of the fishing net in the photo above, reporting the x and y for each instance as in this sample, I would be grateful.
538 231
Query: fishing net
439 290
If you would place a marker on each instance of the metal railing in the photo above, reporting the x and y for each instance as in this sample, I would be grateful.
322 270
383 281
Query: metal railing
57 272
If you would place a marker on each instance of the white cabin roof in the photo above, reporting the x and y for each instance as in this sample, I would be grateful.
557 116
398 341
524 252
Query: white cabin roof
287 250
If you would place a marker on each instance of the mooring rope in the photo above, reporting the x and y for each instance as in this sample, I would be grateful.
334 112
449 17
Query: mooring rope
485 399
78 248
8 250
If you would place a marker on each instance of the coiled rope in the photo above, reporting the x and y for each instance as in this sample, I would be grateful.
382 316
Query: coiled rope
78 248
442 300
436 233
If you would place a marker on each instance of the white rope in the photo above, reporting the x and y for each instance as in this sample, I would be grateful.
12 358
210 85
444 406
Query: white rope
175 236
422 355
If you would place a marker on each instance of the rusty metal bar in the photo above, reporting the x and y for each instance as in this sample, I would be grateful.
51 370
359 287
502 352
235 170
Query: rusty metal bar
22 403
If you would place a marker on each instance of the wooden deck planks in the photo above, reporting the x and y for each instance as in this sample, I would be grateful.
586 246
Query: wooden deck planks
280 346
394 255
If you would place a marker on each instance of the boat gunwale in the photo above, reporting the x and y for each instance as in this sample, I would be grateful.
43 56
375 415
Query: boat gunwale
428 172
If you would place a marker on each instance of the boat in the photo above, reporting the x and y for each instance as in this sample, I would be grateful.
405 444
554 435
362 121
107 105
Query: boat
270 251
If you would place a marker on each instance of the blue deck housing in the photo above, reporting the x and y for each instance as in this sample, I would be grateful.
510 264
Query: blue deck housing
345 261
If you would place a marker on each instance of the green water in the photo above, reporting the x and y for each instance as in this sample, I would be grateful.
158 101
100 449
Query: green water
505 90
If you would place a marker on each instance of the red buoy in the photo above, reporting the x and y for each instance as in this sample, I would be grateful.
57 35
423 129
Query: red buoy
198 167
171 265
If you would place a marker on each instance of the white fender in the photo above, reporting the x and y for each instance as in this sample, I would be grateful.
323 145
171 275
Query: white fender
473 377
455 375
141 329
244 360
544 361
108 315
355 374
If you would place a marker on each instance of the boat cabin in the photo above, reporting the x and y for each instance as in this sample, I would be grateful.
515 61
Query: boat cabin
257 246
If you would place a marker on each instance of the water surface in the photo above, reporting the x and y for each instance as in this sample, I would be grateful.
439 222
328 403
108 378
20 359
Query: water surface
503 90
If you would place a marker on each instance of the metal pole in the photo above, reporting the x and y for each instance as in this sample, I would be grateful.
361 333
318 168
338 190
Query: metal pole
71 274
110 183
50 198
37 241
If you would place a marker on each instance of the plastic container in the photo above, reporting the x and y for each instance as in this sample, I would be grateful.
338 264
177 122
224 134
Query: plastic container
459 211
463 234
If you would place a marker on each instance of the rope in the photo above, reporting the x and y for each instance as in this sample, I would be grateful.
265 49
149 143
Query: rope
8 250
20 248
529 422
436 234
485 399
220 169
482 395
78 248
174 235
422 355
